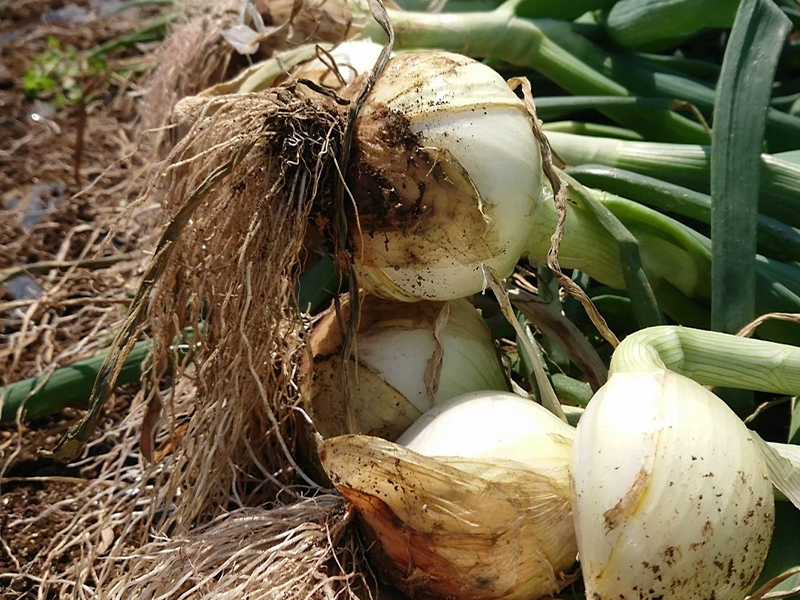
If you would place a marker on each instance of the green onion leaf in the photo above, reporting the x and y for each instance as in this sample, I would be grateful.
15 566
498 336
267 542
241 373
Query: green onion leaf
641 294
775 239
742 102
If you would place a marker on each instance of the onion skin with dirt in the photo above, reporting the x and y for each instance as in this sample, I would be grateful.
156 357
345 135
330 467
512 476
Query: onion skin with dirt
445 175
671 494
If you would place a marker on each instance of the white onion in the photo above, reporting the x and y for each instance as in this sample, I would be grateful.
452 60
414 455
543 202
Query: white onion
393 346
671 495
446 177
477 506
493 425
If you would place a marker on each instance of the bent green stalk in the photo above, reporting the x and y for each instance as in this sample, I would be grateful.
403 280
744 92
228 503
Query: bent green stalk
711 358
775 239
68 386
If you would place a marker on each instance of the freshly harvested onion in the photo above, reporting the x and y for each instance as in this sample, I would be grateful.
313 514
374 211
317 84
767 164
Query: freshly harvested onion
395 343
458 427
671 494
476 507
446 177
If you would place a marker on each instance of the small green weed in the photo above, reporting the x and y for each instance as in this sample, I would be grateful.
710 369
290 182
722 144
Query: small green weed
56 74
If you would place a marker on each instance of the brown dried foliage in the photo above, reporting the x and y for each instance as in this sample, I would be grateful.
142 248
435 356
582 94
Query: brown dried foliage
196 56
48 215
217 509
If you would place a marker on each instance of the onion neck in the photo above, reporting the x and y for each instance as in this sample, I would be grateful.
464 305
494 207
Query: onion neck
712 358
586 245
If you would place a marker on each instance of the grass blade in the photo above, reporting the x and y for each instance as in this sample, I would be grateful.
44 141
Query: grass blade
742 102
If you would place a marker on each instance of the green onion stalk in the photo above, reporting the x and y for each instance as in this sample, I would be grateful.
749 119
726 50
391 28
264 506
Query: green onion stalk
676 259
775 239
558 51
683 164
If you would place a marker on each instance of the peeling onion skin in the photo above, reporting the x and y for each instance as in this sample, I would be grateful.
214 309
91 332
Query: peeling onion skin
394 343
446 176
447 518
671 496
456 528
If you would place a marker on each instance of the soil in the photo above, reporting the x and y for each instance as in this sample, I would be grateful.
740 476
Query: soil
41 488
49 152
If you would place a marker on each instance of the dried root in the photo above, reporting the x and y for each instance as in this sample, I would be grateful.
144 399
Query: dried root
222 437
194 56
283 552
235 266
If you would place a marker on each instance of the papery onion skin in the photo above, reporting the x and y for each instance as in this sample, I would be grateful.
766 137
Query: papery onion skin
446 177
453 527
313 20
671 496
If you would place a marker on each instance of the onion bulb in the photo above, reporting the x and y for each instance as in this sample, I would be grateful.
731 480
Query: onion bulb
401 364
475 507
671 495
446 177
